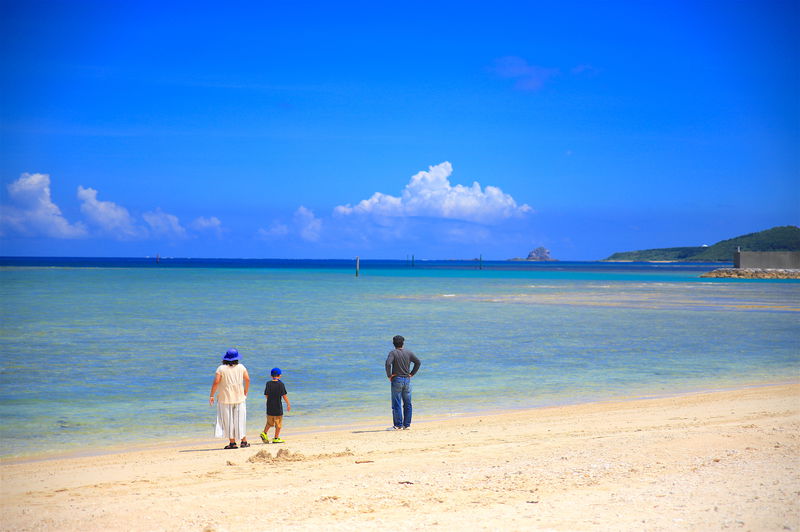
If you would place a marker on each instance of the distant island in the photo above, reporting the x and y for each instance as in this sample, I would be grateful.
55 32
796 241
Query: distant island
784 238
538 254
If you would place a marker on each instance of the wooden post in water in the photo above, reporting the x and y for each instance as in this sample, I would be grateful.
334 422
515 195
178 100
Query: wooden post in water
358 265
412 260
480 261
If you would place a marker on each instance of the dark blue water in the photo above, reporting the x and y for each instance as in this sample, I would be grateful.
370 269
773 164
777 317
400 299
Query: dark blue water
365 264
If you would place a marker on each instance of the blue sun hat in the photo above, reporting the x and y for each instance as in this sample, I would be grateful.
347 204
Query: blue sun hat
275 372
231 355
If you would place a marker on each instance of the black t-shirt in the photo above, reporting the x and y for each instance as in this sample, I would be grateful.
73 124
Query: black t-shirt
274 390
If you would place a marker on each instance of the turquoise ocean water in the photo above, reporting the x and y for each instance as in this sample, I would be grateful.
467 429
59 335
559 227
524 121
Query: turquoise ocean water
100 352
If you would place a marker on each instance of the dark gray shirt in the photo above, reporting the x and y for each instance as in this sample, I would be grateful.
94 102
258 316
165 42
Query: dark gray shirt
399 362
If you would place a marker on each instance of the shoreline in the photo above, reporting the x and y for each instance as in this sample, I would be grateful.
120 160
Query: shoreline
371 422
700 461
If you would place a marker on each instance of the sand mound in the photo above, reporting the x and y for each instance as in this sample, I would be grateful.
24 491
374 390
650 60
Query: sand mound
283 455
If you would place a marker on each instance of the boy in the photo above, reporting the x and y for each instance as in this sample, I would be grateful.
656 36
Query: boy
274 391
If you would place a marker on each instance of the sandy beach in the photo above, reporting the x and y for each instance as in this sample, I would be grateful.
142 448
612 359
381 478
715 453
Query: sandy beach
709 461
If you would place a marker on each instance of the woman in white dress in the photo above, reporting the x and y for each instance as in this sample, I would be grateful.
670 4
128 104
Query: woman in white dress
232 382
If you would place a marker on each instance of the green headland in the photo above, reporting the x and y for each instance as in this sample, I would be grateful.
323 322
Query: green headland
784 238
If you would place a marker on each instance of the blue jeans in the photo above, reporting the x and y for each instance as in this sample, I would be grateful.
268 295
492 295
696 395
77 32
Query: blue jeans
401 390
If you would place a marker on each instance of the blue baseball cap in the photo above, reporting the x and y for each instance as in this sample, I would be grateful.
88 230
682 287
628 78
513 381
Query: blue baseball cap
231 355
275 372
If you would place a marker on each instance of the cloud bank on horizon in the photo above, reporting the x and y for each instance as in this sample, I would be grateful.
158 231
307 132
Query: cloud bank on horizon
32 213
429 202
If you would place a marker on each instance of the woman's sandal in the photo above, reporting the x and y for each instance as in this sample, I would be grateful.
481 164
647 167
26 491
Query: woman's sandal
231 446
244 444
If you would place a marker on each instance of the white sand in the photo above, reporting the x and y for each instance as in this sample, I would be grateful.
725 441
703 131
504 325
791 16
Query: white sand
699 462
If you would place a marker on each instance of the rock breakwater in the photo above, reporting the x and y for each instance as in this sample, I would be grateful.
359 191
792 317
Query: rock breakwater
753 273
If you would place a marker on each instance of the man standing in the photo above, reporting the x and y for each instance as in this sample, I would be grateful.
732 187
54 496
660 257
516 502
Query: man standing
399 371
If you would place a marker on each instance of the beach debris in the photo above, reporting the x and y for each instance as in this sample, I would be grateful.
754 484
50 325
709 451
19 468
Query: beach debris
405 482
365 461
229 463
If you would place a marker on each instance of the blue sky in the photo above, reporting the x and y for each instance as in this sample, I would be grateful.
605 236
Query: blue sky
440 129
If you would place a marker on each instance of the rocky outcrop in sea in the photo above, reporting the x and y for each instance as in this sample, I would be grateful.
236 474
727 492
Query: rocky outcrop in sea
540 253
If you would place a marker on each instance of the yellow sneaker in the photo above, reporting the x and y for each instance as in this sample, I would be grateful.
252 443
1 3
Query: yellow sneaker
264 437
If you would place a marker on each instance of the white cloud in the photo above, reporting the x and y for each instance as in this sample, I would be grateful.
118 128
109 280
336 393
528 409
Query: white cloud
33 212
110 217
430 194
164 224
212 224
308 225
